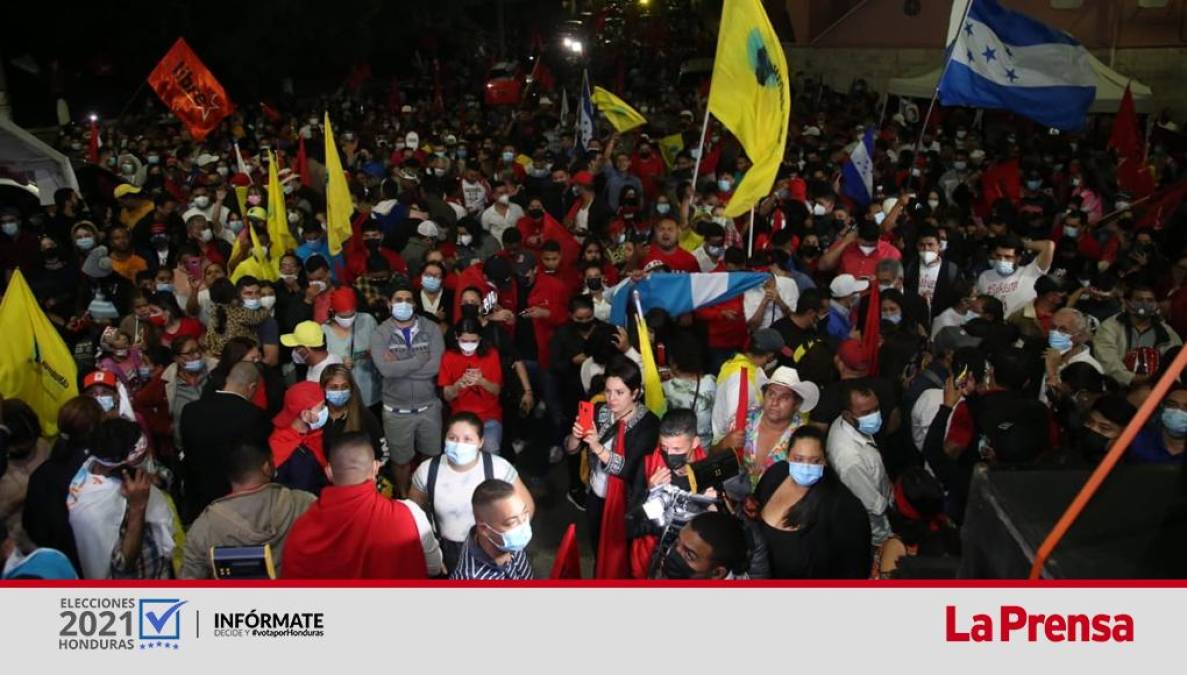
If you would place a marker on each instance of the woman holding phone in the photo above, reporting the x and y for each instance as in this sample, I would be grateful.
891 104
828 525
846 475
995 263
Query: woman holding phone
471 378
624 432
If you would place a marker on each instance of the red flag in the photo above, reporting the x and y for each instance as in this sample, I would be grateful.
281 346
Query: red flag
303 164
438 91
1133 175
743 413
93 147
1125 138
568 557
871 332
1162 205
189 90
271 113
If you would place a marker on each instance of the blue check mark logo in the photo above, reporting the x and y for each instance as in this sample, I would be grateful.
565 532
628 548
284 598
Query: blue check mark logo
157 620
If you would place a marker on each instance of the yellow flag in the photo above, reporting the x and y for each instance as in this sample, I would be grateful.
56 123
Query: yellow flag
281 236
653 387
669 147
36 366
338 203
750 94
620 115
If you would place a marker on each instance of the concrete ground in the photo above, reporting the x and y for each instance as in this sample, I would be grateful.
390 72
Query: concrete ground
554 514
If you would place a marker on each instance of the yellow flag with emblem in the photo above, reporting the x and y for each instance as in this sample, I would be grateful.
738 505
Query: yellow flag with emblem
620 115
36 366
653 387
750 94
669 147
339 205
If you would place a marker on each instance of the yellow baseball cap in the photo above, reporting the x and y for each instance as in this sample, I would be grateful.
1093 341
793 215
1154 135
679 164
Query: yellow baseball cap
258 213
305 334
125 189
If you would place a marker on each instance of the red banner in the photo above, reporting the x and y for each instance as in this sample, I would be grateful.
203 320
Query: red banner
190 91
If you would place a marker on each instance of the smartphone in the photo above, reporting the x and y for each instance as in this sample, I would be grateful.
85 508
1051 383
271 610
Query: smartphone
585 415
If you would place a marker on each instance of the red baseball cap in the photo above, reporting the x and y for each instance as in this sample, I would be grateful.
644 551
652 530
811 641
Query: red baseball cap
853 355
583 178
299 397
100 377
343 300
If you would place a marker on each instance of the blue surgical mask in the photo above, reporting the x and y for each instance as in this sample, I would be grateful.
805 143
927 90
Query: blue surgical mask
322 418
431 284
1174 421
164 288
1069 231
804 474
144 371
251 303
893 318
11 228
194 366
337 397
1004 267
870 424
508 156
461 453
724 185
514 540
235 225
663 207
1059 340
969 316
402 311
1033 185
85 243
106 402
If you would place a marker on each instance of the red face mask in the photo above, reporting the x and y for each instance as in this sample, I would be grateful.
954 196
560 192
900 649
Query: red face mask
157 320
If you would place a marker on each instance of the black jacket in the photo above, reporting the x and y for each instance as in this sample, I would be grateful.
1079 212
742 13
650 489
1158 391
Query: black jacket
44 517
944 295
210 428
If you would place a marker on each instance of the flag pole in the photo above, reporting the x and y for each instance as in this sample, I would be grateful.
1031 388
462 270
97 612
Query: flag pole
750 235
696 167
947 61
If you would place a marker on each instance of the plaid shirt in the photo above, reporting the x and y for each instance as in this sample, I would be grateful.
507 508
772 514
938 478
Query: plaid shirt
373 293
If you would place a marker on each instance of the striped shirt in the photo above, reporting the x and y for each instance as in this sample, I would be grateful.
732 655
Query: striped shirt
474 563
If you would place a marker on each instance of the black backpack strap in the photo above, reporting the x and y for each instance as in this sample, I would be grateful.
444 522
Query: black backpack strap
430 485
488 465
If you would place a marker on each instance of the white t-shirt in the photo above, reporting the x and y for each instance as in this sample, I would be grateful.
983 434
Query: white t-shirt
948 317
474 196
453 491
928 277
788 292
725 402
1016 290
313 373
497 224
922 414
707 263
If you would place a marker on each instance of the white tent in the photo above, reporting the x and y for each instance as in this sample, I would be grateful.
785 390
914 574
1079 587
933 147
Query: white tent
1110 86
23 154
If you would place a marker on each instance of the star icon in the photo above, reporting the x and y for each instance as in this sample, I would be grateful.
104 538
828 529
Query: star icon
175 646
970 55
968 29
990 53
1011 74
1009 53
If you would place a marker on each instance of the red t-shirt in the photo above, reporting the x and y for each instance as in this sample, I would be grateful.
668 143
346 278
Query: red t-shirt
860 265
725 333
473 399
187 328
677 260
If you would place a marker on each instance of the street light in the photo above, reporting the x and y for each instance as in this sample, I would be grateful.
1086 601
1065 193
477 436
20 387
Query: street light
575 46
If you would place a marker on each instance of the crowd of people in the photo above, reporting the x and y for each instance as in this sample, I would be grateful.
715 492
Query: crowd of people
396 411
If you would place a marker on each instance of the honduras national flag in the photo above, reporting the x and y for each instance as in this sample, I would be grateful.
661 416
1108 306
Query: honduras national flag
585 115
681 293
999 58
857 174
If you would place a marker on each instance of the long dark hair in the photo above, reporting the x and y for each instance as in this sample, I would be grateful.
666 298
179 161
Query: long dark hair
222 294
233 352
467 325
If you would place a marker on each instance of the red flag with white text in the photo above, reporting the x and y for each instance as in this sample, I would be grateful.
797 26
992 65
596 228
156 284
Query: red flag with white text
188 88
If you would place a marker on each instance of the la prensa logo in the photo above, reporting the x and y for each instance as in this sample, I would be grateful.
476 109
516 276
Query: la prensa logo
159 621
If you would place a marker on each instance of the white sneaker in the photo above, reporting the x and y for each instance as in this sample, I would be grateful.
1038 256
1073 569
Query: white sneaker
556 455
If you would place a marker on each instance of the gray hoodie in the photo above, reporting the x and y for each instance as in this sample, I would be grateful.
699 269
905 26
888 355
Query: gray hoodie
263 516
409 371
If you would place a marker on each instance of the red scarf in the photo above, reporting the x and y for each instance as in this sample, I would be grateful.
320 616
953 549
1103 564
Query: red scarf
613 561
284 443
353 532
642 548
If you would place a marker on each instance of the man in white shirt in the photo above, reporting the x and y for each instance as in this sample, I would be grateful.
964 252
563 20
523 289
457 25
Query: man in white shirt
503 215
766 304
1067 344
853 454
764 349
1006 281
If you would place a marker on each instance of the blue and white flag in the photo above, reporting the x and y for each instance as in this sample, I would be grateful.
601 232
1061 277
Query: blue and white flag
857 174
585 115
999 58
679 293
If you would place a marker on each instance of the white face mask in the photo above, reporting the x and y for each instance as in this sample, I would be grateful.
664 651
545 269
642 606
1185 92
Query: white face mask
868 250
345 321
268 301
467 347
929 257
879 217
818 209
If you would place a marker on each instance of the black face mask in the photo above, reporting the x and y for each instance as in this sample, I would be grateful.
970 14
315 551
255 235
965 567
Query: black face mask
536 213
675 462
594 284
584 327
675 566
809 251
1092 445
469 311
372 244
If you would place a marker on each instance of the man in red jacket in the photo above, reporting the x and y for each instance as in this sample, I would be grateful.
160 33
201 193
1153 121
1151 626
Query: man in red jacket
353 532
667 248
548 301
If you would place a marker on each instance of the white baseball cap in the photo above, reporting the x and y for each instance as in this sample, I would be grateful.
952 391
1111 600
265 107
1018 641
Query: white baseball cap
428 228
845 285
